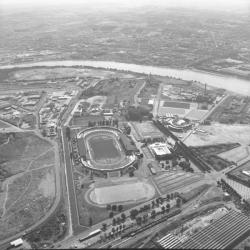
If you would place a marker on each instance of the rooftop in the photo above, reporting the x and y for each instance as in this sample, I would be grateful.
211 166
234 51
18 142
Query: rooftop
160 148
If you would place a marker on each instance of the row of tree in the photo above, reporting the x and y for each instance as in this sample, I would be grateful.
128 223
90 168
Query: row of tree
114 207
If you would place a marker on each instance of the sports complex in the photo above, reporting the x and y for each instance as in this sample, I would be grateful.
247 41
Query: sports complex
106 150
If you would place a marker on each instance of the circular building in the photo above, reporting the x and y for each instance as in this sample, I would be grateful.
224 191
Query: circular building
178 124
105 151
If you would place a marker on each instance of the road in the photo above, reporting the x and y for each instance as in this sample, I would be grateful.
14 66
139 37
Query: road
136 99
157 100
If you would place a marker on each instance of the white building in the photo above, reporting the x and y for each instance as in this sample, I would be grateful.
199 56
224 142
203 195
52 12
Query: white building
17 242
160 150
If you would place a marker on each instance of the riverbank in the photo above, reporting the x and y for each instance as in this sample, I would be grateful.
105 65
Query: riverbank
230 83
220 73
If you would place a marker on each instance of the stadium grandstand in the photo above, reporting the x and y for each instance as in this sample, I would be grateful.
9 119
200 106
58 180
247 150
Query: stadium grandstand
127 144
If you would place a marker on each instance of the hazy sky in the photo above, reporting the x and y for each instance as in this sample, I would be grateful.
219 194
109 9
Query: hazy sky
204 4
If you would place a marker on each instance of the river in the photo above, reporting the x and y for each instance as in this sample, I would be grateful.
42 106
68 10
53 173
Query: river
230 83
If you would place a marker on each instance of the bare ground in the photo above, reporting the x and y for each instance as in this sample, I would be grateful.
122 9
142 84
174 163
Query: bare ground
220 133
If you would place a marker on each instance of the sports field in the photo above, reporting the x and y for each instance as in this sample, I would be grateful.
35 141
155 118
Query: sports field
175 111
122 193
104 148
145 129
196 114
182 105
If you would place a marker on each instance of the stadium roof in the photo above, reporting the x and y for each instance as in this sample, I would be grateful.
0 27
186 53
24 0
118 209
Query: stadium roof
127 143
81 147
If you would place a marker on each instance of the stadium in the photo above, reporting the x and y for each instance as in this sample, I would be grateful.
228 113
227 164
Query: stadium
177 124
106 150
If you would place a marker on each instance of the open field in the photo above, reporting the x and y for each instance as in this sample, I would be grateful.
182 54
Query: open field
220 133
15 166
122 193
27 181
168 182
210 154
117 89
97 100
196 114
162 111
4 125
235 109
17 188
213 194
236 154
175 104
31 204
214 149
237 174
45 159
23 145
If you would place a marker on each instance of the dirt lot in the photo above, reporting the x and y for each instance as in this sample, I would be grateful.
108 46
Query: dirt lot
27 181
220 133
236 154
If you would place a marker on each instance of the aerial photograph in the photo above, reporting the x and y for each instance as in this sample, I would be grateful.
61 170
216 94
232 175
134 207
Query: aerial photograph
124 124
